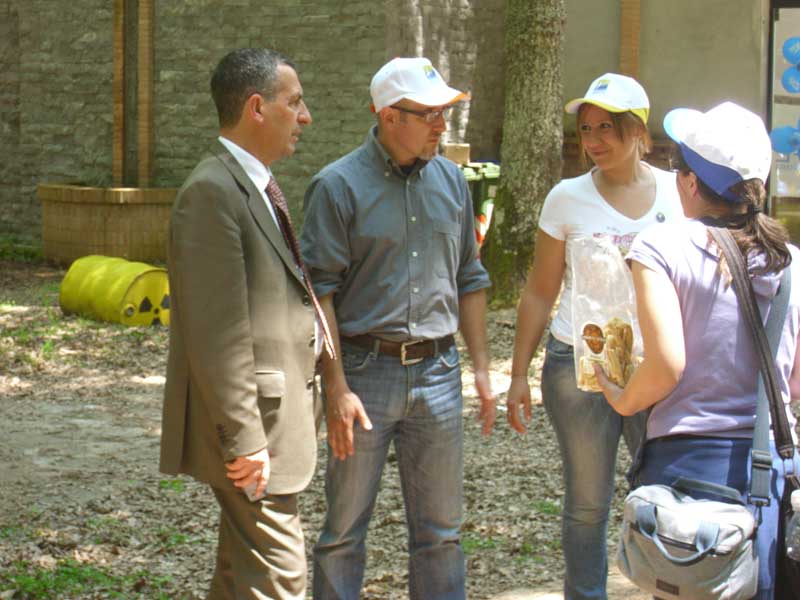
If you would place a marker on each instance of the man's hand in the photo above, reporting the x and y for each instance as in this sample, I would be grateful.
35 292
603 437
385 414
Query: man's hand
488 410
341 411
250 473
519 393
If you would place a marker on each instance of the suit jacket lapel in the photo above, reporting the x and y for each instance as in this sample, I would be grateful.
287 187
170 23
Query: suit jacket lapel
259 210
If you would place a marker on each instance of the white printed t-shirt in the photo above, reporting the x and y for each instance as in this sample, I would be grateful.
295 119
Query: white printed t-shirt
574 208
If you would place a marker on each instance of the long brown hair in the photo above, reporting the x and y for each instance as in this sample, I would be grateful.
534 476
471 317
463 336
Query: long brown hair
751 228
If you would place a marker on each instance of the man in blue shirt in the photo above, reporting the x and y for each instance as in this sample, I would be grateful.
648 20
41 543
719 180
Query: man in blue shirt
389 240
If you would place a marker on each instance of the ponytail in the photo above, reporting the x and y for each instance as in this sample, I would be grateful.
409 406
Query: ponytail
752 229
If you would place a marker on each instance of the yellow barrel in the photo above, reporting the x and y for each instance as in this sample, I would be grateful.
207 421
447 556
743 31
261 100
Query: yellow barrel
114 289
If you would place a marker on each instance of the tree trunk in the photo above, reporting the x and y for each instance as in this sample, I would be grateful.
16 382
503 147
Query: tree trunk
532 139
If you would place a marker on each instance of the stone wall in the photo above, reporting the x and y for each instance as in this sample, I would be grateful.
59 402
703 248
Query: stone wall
56 68
335 45
55 102
55 88
56 106
13 215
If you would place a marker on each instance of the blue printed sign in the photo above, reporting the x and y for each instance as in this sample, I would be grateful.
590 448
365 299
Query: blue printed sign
791 80
791 50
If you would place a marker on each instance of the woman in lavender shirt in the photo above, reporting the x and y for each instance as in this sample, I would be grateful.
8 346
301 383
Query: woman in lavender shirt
700 369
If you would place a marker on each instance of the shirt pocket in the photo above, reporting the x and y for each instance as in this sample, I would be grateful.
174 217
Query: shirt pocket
444 248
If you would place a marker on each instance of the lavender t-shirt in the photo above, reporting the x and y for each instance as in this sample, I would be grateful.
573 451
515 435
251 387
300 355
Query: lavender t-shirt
717 394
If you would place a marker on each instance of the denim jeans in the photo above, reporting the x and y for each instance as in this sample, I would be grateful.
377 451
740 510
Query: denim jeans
588 432
419 408
725 461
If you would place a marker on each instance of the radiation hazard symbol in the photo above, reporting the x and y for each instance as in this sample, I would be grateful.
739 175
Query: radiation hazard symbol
147 312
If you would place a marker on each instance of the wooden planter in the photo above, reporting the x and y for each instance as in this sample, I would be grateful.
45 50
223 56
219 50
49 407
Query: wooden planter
130 223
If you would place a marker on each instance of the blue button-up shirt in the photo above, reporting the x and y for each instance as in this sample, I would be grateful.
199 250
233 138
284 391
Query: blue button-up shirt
397 250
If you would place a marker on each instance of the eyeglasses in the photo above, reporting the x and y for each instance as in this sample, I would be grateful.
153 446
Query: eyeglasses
429 116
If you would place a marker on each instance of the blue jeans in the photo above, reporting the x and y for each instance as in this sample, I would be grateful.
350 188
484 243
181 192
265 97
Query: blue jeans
419 408
588 432
725 461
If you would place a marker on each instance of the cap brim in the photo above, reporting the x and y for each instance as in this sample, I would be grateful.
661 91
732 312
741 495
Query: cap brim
680 121
442 97
572 106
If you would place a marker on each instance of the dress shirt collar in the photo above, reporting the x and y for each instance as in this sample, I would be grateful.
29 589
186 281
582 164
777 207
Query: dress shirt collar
255 169
379 153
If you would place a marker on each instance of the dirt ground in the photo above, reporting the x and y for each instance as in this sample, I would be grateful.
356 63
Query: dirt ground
84 512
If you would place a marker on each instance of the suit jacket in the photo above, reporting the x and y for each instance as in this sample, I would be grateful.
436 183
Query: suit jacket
240 373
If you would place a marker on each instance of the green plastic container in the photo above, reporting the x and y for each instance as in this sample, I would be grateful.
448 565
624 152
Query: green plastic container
473 176
484 181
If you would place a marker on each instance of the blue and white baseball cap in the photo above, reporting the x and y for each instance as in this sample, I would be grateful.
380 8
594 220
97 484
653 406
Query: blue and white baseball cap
412 78
724 146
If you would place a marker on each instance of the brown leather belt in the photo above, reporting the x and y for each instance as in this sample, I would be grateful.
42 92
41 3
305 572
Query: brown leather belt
409 353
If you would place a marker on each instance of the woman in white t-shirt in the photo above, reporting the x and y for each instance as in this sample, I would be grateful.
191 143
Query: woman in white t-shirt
619 197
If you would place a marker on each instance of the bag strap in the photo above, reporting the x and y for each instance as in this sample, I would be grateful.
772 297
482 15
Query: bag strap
765 341
774 330
705 540
637 459
769 399
691 486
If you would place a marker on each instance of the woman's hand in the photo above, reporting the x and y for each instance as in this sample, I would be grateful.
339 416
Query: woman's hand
611 391
519 393
664 351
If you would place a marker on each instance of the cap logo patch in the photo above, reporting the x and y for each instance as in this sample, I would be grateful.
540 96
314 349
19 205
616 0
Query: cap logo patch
602 85
429 72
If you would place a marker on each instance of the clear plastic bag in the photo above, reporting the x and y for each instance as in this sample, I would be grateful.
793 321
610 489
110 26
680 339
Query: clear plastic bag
604 326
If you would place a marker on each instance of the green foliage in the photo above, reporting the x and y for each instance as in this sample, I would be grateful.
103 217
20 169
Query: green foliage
11 532
471 542
37 336
547 507
172 485
71 579
110 530
137 333
18 250
526 549
170 537
31 341
536 552
48 348
48 296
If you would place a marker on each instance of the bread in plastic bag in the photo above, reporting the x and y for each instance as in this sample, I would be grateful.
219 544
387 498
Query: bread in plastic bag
604 326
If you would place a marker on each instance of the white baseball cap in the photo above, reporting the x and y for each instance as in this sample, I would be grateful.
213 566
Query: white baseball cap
724 146
615 93
414 79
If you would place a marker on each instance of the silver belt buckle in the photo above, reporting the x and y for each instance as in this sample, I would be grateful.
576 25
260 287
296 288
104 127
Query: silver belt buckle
405 361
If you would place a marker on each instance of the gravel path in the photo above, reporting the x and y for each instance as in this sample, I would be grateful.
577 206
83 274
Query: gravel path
84 512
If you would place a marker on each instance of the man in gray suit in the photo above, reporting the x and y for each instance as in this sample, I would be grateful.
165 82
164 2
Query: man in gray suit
240 392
